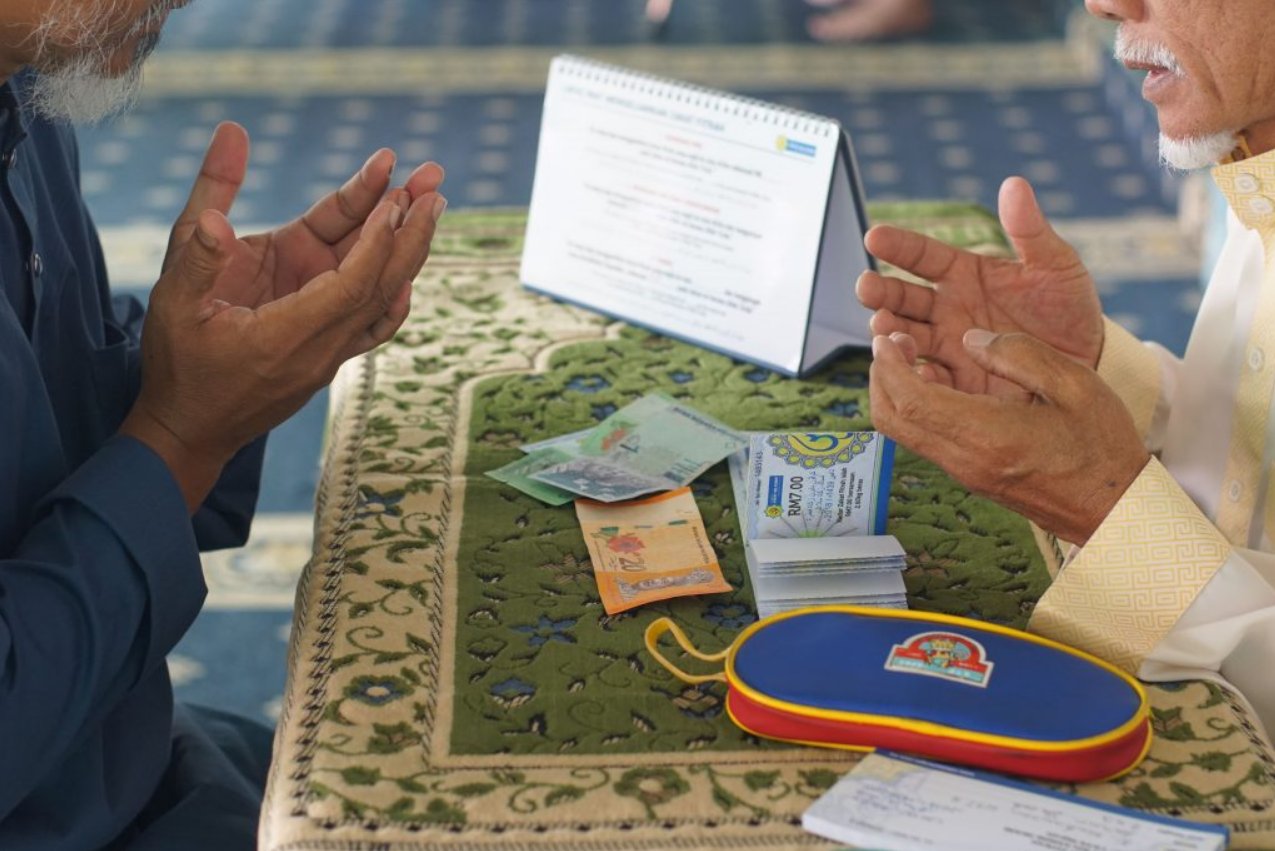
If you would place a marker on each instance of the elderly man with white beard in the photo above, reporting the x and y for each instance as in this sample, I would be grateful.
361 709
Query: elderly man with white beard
120 460
1157 470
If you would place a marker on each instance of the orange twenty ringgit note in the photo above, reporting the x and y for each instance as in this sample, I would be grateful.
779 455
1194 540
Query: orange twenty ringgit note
649 549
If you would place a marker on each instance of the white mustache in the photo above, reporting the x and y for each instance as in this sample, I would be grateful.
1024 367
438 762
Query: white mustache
1144 53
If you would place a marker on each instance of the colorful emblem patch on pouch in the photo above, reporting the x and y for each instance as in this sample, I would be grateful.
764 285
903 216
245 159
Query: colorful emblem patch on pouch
942 654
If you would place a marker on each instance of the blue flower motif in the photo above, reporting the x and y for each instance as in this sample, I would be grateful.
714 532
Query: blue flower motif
844 409
378 691
729 615
601 412
757 375
588 383
857 380
513 687
548 630
702 489
371 503
681 377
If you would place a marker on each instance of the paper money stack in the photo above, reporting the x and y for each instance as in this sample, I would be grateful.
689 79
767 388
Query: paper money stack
651 445
812 510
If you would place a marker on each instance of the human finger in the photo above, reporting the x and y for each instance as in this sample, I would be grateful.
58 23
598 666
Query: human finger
204 256
399 197
339 213
425 179
936 373
879 292
385 327
1034 239
220 177
906 345
885 323
1037 367
412 242
914 409
927 370
921 255
351 294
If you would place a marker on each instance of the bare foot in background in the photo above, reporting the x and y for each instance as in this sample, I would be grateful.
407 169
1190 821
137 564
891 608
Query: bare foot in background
657 11
860 20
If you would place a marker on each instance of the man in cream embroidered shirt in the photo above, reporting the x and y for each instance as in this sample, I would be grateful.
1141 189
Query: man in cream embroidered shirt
1157 468
1180 576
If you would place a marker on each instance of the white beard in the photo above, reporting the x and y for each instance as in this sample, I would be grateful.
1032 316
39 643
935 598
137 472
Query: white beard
80 90
1188 154
1196 153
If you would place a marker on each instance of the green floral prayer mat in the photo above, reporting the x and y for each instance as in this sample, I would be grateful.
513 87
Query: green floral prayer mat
453 679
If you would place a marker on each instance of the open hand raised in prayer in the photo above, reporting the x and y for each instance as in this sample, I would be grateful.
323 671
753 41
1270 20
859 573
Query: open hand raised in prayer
270 265
241 332
1062 453
1046 293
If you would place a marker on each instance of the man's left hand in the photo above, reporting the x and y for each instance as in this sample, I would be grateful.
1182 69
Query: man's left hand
1062 457
272 265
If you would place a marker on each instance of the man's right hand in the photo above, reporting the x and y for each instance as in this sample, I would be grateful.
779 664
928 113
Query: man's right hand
216 375
1046 293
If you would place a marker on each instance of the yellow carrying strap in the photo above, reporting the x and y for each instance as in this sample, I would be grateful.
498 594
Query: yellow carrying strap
656 631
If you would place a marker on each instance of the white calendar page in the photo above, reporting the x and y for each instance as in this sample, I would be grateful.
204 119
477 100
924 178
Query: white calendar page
689 212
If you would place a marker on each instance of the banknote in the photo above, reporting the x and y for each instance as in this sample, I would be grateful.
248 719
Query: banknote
572 439
818 485
517 474
649 550
653 444
596 479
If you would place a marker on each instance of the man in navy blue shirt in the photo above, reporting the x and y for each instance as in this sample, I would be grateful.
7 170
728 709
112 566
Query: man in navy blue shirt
120 459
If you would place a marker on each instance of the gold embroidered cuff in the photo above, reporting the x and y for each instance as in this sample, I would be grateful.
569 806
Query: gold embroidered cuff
1133 371
1139 572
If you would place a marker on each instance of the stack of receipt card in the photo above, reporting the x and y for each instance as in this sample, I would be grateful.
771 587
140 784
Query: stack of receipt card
812 511
897 803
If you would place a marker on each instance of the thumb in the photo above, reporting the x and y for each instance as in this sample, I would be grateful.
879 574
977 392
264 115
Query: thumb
1034 239
206 254
1037 367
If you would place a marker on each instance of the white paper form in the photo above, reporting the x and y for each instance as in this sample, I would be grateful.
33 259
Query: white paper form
895 803
692 213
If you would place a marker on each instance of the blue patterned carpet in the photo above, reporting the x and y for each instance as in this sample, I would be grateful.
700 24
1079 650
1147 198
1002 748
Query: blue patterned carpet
922 126
328 24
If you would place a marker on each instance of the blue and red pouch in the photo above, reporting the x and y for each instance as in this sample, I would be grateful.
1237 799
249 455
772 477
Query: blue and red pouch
935 686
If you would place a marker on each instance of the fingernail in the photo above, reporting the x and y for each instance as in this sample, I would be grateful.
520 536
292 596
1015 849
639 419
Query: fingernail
396 215
366 171
440 204
977 338
877 342
206 239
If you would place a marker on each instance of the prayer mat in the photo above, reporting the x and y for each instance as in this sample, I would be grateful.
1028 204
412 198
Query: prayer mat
453 679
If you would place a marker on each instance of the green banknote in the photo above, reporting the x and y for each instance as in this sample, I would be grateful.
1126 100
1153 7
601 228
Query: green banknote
518 475
656 443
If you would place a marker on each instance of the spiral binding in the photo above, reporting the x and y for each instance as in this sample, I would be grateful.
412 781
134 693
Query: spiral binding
700 97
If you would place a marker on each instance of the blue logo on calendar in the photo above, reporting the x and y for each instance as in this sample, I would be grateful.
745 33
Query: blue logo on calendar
775 496
791 146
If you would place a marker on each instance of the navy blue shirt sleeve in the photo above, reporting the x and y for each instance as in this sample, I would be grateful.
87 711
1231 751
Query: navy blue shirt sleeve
226 515
100 588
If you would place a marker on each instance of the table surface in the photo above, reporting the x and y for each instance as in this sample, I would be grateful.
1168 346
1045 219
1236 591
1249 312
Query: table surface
453 680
